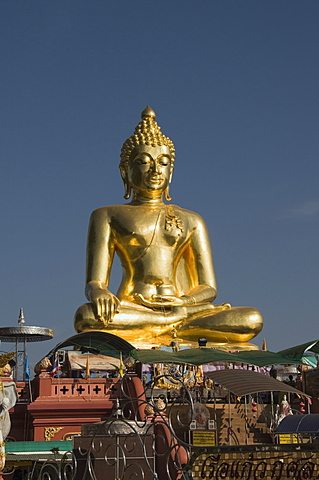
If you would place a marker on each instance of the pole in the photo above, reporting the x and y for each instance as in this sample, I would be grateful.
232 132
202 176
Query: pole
229 420
16 365
24 356
246 421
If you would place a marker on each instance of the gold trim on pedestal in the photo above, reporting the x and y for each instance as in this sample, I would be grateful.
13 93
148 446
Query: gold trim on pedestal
49 432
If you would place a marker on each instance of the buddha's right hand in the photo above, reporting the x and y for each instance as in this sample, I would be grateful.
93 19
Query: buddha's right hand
104 302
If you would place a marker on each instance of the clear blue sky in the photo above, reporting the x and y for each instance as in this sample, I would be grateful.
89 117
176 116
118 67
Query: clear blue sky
233 83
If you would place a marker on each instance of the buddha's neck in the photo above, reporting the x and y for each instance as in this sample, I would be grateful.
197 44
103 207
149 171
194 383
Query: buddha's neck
139 199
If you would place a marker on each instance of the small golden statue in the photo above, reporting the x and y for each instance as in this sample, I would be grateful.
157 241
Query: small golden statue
168 282
5 367
43 365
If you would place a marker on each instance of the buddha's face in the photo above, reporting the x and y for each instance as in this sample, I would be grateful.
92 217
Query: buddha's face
149 169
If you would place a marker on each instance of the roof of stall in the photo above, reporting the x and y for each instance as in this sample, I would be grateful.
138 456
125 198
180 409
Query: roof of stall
97 342
299 350
308 423
201 356
245 382
105 343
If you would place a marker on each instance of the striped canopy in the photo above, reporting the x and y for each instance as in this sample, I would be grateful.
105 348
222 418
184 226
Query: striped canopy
246 382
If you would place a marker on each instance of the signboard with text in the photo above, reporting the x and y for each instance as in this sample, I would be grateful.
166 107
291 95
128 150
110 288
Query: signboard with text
204 437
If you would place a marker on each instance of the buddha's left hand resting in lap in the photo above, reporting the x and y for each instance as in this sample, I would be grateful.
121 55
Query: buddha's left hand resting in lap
168 282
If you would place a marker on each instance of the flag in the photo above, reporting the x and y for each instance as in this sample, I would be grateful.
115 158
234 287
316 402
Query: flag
26 369
55 367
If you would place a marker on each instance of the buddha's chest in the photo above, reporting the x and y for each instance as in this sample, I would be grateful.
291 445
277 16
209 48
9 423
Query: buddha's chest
142 228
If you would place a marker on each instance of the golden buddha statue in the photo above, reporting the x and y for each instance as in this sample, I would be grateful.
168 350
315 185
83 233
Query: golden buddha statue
168 282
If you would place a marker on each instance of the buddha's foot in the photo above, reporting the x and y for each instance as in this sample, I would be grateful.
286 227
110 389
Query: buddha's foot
235 325
228 329
169 341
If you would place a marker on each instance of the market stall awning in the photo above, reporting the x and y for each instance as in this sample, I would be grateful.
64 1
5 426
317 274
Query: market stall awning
263 358
298 351
299 424
96 342
201 356
245 382
191 356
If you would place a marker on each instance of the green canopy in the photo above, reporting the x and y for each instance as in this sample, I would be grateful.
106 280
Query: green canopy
299 350
201 356
263 358
42 451
96 341
105 343
192 356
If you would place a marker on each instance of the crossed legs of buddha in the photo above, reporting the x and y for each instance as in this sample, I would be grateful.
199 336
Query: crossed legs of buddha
220 323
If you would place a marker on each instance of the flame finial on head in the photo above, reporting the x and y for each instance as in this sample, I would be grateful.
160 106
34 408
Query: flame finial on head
148 112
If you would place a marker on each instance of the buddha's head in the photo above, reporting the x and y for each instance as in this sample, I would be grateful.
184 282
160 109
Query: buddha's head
147 158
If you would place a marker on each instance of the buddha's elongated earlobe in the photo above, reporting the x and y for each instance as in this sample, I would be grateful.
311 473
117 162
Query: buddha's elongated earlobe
166 194
127 185
127 190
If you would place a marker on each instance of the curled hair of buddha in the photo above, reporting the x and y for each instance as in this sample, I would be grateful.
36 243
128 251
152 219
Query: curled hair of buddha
147 132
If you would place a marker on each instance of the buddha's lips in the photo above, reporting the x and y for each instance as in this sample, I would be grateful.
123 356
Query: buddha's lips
155 179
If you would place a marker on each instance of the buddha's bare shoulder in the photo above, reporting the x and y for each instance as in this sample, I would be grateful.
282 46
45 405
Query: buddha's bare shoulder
109 210
112 211
189 215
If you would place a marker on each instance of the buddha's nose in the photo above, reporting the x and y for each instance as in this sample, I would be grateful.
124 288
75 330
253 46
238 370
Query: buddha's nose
154 167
